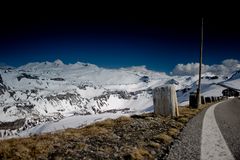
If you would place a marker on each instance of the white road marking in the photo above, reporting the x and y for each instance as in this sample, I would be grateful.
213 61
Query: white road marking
213 145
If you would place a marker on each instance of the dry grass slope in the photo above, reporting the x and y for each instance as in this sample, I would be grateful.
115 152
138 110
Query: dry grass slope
145 136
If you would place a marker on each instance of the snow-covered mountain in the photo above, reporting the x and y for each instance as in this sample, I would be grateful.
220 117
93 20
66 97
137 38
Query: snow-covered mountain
233 81
39 93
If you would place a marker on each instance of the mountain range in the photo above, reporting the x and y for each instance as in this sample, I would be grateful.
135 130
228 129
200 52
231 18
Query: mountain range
49 96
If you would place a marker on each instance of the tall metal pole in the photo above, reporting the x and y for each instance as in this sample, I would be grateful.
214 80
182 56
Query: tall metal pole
200 69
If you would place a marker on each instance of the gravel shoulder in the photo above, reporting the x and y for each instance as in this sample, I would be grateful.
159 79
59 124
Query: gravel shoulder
188 144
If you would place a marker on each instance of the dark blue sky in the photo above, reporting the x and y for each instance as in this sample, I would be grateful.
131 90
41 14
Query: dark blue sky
116 40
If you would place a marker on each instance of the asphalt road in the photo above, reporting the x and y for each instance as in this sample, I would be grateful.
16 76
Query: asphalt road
212 134
227 116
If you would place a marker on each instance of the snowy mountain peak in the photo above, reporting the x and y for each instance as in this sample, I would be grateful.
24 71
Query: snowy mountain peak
143 71
138 68
235 75
82 64
58 62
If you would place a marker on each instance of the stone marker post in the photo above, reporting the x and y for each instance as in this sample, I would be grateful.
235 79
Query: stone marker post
165 101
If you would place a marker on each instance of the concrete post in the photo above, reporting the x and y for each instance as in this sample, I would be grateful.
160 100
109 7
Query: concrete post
165 101
208 99
193 103
213 99
203 100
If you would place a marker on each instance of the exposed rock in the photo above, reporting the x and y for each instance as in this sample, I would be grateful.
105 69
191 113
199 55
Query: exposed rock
185 90
149 90
211 77
122 94
145 79
1 81
73 99
83 87
124 110
172 81
236 75
6 108
189 78
57 79
12 125
11 93
3 88
35 91
25 105
67 96
25 75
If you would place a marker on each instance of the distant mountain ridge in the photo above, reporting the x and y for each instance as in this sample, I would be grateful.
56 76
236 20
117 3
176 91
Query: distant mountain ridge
44 92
